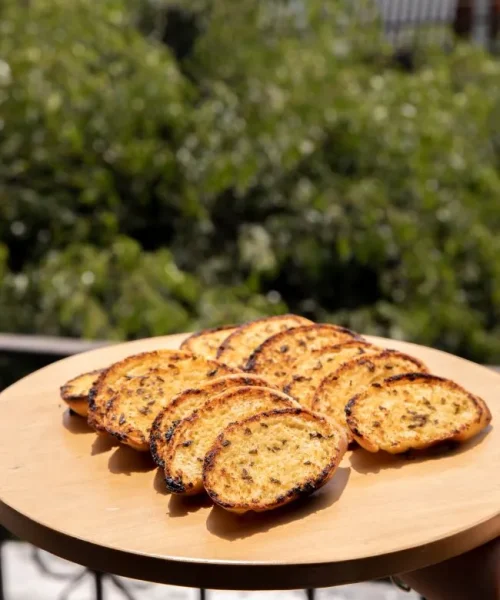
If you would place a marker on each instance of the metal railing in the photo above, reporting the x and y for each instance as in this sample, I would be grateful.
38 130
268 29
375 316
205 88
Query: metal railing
408 23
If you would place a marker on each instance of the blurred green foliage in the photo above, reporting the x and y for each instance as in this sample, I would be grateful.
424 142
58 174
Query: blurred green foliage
163 169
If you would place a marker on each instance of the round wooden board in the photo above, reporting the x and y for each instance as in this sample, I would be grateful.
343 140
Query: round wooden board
88 500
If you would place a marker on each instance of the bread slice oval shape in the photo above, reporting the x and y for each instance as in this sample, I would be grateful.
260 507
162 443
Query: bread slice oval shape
414 411
276 358
128 396
207 341
271 459
75 392
195 435
236 348
186 402
308 374
356 375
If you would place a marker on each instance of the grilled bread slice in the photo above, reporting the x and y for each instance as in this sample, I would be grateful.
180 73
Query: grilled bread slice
75 392
207 342
357 374
271 459
196 434
185 403
128 396
277 357
105 389
236 349
414 411
308 374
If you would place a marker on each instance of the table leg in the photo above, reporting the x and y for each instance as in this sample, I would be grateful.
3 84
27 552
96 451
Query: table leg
98 585
311 594
203 594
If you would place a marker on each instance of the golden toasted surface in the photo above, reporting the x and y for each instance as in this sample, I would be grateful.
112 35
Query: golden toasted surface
185 403
195 435
207 342
244 470
414 411
128 396
356 375
236 349
308 374
277 357
75 392
108 383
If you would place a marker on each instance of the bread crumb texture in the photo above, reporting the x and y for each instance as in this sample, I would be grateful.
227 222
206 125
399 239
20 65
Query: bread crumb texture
127 398
186 402
236 349
271 459
414 411
356 375
194 436
309 373
207 341
277 357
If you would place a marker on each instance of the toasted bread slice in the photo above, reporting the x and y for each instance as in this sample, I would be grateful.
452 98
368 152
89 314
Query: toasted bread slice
236 349
271 459
356 375
128 396
185 403
104 390
75 392
195 435
308 375
207 342
277 357
414 411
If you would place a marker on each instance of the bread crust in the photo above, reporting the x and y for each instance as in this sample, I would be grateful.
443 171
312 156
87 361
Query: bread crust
207 341
304 487
277 356
75 392
407 383
218 412
186 402
128 396
236 348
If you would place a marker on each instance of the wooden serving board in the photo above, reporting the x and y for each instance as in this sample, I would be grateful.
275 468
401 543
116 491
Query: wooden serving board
88 500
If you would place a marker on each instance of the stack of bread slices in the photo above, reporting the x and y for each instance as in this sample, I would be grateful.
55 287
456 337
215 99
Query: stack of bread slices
260 414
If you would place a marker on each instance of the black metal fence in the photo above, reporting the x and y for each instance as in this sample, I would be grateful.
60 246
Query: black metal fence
414 22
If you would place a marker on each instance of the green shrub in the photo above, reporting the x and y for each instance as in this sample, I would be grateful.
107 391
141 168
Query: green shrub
280 163
119 292
92 114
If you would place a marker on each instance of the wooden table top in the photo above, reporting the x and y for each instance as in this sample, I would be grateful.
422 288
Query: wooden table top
91 501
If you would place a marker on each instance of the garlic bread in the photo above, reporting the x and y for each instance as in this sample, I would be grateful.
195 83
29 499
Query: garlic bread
128 396
236 348
75 392
308 374
207 342
196 434
186 402
277 357
271 459
414 411
356 375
